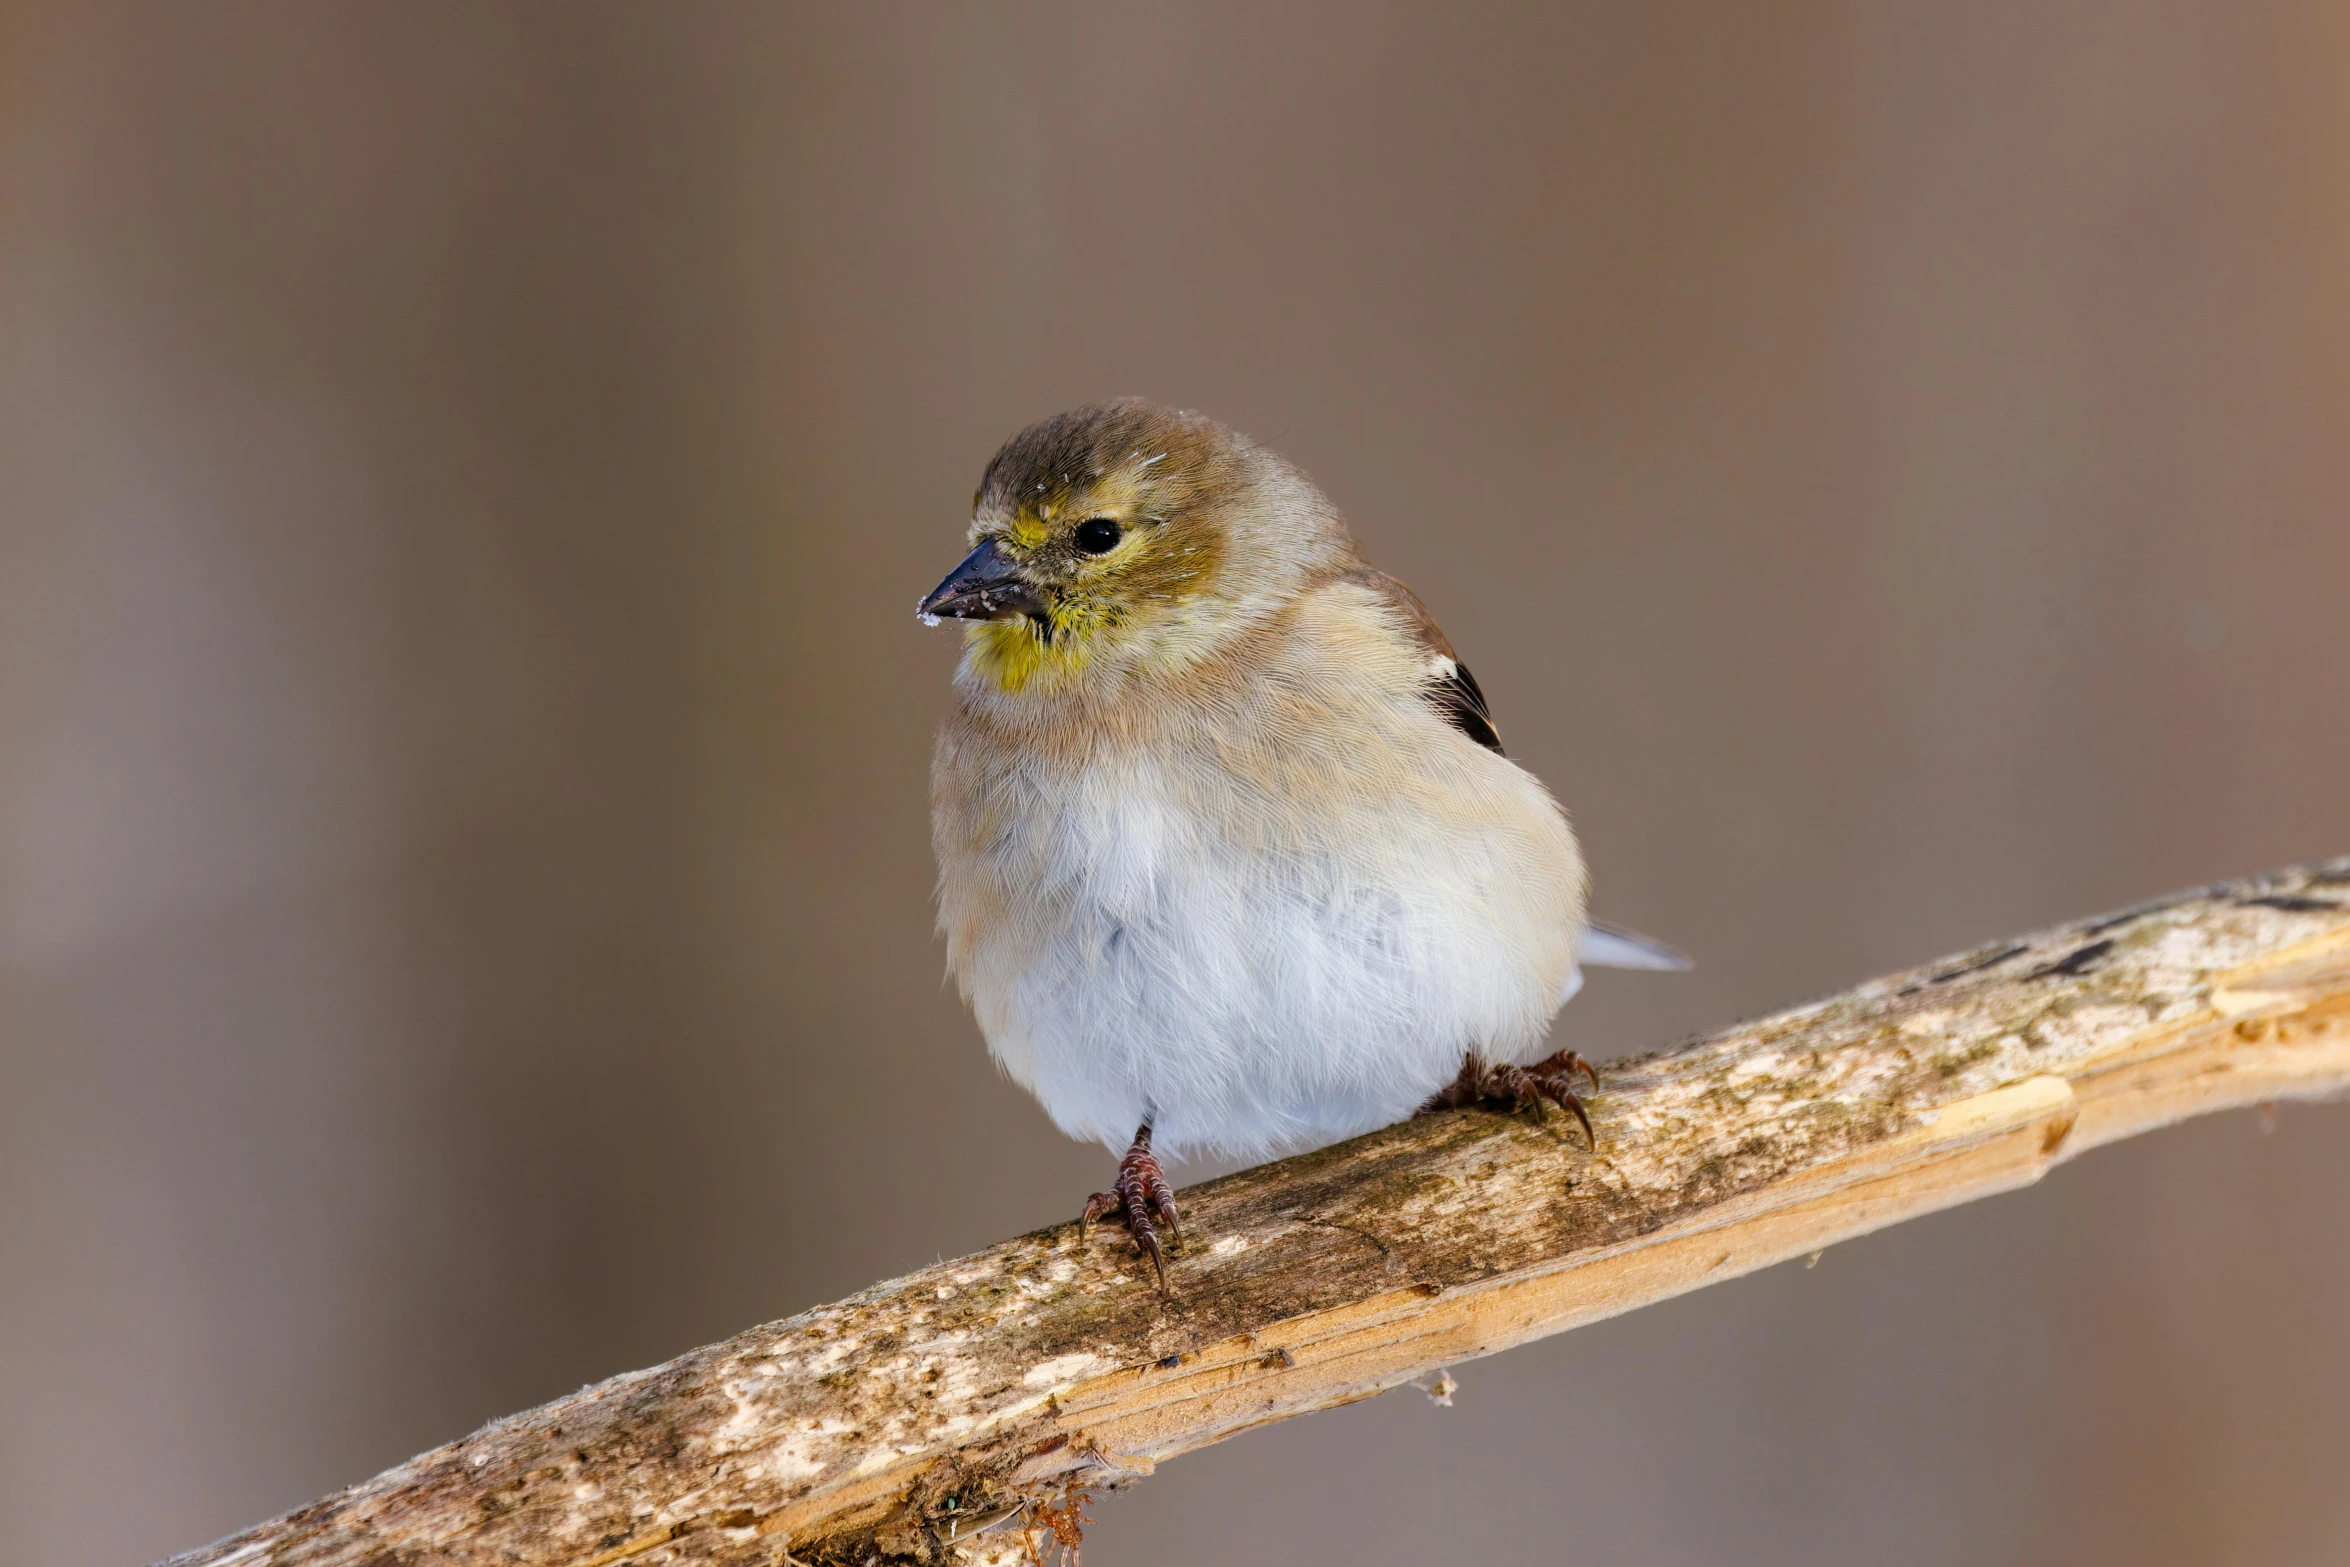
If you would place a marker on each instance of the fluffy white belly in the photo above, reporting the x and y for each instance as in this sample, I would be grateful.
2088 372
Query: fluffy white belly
1250 978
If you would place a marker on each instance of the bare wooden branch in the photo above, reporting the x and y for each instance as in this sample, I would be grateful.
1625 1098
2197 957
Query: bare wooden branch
894 1426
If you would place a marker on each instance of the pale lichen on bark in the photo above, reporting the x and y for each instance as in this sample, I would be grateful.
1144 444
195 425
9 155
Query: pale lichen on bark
890 1426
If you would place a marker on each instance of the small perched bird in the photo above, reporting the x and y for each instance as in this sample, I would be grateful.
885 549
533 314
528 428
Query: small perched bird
1229 854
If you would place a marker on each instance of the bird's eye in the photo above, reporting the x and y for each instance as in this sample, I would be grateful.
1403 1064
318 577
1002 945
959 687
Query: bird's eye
1098 535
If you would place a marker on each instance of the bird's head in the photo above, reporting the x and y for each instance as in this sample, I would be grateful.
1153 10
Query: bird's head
1122 537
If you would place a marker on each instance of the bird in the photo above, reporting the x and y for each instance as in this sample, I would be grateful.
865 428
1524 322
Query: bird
1231 860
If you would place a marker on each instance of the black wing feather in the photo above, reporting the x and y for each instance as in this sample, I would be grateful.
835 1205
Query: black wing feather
1462 702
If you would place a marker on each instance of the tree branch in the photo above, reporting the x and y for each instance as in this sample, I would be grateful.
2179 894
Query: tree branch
892 1426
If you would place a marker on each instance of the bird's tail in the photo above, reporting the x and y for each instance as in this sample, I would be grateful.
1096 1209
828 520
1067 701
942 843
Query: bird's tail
1612 946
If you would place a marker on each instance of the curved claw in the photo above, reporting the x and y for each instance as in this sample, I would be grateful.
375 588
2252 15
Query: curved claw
1522 1087
1148 1240
1162 1201
1098 1204
1565 1099
1140 1193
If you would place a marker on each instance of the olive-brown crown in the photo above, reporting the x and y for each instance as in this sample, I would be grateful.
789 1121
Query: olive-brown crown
1145 534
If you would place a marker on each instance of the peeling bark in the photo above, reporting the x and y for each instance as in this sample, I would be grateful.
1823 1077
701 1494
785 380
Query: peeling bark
892 1426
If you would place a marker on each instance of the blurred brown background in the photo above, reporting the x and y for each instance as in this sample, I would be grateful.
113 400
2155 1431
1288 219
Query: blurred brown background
465 473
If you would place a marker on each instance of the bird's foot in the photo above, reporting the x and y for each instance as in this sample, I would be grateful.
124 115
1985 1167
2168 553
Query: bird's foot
1518 1087
1139 1196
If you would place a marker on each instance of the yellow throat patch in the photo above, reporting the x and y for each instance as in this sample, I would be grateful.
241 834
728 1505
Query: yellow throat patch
1016 653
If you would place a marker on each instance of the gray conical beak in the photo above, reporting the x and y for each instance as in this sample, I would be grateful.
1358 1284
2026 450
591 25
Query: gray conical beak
986 586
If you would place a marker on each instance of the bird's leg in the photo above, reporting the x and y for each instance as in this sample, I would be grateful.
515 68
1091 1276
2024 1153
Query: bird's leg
1138 1195
1551 1078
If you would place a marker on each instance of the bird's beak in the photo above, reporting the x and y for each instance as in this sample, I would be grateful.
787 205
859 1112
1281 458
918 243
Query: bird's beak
986 586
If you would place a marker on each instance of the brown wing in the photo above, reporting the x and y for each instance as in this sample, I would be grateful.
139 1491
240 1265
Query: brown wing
1451 689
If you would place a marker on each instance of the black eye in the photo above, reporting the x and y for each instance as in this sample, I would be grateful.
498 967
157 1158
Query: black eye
1098 535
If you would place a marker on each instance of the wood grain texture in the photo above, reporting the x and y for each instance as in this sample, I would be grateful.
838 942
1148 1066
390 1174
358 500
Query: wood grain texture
891 1426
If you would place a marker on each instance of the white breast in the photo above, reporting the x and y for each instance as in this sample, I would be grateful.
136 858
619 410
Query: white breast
1254 965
